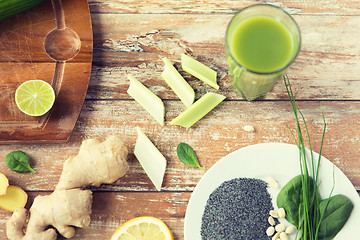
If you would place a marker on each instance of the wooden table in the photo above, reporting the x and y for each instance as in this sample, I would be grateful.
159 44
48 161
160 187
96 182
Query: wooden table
133 36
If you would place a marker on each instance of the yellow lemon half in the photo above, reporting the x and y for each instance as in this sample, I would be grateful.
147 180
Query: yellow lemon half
143 228
35 97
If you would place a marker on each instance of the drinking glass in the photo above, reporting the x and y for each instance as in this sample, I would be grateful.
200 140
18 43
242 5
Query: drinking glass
254 81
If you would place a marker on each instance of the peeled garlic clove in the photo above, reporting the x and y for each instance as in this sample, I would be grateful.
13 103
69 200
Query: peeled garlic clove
249 128
274 214
290 229
281 213
276 236
284 236
272 182
271 221
270 231
280 227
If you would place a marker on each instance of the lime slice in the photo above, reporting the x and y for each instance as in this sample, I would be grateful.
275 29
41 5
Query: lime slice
35 97
143 228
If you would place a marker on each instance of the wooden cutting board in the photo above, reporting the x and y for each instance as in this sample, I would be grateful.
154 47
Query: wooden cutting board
52 42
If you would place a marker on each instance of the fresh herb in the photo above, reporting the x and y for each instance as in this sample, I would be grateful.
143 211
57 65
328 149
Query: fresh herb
337 210
187 156
315 219
19 161
291 199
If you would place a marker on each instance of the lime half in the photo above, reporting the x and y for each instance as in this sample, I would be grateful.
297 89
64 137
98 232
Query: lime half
35 97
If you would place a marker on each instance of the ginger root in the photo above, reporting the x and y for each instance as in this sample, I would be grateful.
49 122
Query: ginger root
14 198
4 183
11 197
69 205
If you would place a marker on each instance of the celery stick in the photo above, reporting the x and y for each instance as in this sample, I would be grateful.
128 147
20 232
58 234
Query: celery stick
147 99
177 83
199 70
198 110
150 158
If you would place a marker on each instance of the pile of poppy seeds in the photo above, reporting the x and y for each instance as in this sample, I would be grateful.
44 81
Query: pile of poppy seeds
237 209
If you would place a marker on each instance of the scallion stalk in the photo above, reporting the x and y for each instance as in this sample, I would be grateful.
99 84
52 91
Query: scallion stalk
311 216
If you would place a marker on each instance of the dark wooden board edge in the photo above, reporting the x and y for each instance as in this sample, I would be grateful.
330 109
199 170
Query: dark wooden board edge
58 124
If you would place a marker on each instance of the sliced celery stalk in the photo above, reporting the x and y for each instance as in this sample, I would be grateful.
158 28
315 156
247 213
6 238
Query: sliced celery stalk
147 99
178 84
199 70
198 110
150 158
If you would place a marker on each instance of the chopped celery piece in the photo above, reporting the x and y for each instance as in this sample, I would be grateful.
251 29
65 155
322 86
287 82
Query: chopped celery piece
150 158
147 99
198 110
199 70
178 84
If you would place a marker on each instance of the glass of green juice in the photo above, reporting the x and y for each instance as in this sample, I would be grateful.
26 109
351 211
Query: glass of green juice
261 42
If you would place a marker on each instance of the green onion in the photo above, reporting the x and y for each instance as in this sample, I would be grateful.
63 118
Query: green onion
310 218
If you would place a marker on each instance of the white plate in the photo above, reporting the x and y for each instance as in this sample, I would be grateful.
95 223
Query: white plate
278 160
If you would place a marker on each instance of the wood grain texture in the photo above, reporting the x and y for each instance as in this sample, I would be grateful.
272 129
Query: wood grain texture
57 125
219 133
54 45
111 209
22 37
327 68
339 7
132 36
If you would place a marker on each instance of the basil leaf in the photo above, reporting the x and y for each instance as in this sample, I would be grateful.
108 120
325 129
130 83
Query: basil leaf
18 161
291 198
187 156
337 210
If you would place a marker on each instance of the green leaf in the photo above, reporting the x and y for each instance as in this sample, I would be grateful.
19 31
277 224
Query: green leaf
19 161
336 210
315 219
187 156
291 199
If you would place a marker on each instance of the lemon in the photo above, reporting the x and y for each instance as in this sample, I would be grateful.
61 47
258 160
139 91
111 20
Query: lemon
143 228
35 97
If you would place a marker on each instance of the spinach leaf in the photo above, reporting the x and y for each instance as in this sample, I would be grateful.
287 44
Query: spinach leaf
291 197
19 161
337 210
187 156
318 222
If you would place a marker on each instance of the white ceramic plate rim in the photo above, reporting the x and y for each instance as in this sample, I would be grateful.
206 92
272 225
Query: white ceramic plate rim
278 160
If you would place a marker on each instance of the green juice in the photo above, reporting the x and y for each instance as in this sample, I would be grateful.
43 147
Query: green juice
262 44
260 47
